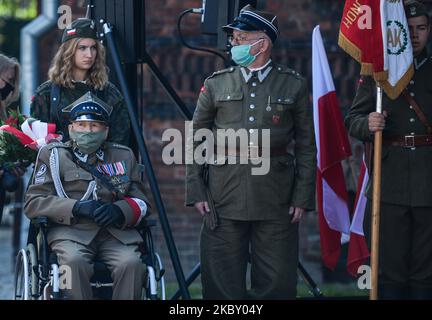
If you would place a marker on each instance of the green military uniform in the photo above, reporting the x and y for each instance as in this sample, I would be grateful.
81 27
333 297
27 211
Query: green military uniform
65 177
119 123
254 208
406 193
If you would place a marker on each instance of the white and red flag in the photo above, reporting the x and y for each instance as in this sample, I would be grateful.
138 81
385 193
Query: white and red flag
332 148
376 34
358 251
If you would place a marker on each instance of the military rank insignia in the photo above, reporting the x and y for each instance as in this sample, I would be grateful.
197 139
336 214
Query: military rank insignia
117 173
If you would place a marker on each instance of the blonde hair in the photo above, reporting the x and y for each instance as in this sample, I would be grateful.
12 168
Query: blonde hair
7 63
61 70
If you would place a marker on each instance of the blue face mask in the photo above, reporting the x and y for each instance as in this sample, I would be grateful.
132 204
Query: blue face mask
241 54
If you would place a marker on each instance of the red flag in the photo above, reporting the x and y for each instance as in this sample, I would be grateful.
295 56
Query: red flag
357 250
332 146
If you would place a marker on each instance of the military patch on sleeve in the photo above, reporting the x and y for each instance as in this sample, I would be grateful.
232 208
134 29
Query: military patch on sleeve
42 170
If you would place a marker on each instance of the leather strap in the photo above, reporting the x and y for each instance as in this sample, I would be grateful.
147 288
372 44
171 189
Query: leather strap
417 110
410 141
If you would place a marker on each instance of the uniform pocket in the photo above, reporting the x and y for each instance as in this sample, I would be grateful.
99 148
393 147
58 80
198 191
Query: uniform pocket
277 111
229 107
74 175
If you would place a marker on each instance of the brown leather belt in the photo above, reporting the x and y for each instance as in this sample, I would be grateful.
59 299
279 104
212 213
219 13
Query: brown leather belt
410 141
254 152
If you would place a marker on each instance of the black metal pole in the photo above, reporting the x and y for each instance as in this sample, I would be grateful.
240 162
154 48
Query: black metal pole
187 114
148 166
311 283
190 278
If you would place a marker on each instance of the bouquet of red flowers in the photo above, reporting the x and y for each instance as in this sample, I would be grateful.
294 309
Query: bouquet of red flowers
21 137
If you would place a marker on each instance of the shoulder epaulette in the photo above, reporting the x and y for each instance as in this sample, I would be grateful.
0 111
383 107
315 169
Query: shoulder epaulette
287 70
227 70
118 146
53 145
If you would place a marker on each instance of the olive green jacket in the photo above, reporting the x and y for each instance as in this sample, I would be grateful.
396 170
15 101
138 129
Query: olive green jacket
406 177
279 102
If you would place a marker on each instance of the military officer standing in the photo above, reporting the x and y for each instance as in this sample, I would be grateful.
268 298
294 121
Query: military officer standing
78 67
257 215
92 194
405 260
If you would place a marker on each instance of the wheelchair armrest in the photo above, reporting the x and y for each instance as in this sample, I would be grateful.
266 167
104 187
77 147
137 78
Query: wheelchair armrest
41 221
146 223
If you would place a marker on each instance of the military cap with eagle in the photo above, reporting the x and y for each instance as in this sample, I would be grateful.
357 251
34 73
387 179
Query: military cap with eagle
251 19
89 108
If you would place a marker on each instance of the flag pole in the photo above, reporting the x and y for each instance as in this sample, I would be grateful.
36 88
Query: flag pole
376 200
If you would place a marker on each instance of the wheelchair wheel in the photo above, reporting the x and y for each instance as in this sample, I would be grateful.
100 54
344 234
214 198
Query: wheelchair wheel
155 282
22 279
26 283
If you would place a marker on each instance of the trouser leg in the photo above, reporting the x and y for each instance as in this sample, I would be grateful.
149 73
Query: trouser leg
274 259
78 259
420 279
224 254
124 262
394 249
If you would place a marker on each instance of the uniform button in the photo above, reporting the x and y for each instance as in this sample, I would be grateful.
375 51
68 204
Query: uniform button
251 130
412 120
252 106
251 143
251 119
279 100
77 175
60 220
412 133
254 84
412 82
411 107
279 68
253 95
229 97
412 94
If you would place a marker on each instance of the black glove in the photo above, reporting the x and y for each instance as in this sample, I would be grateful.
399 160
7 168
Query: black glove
86 208
108 214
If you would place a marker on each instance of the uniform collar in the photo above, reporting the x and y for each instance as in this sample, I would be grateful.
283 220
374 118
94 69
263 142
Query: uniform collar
83 157
261 72
421 59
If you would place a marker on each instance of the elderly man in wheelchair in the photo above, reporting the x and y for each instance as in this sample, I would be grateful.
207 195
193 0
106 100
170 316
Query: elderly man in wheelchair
90 192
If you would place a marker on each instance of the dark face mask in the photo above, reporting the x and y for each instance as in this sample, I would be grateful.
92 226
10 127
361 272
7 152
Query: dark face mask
6 90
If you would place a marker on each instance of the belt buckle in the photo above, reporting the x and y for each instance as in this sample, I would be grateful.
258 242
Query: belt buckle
409 141
253 152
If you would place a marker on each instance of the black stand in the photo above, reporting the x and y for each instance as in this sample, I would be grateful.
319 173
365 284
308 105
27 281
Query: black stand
137 130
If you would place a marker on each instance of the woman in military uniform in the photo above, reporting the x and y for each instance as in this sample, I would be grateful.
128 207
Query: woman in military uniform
92 194
78 67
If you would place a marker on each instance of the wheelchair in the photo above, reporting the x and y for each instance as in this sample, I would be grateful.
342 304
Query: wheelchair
39 277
